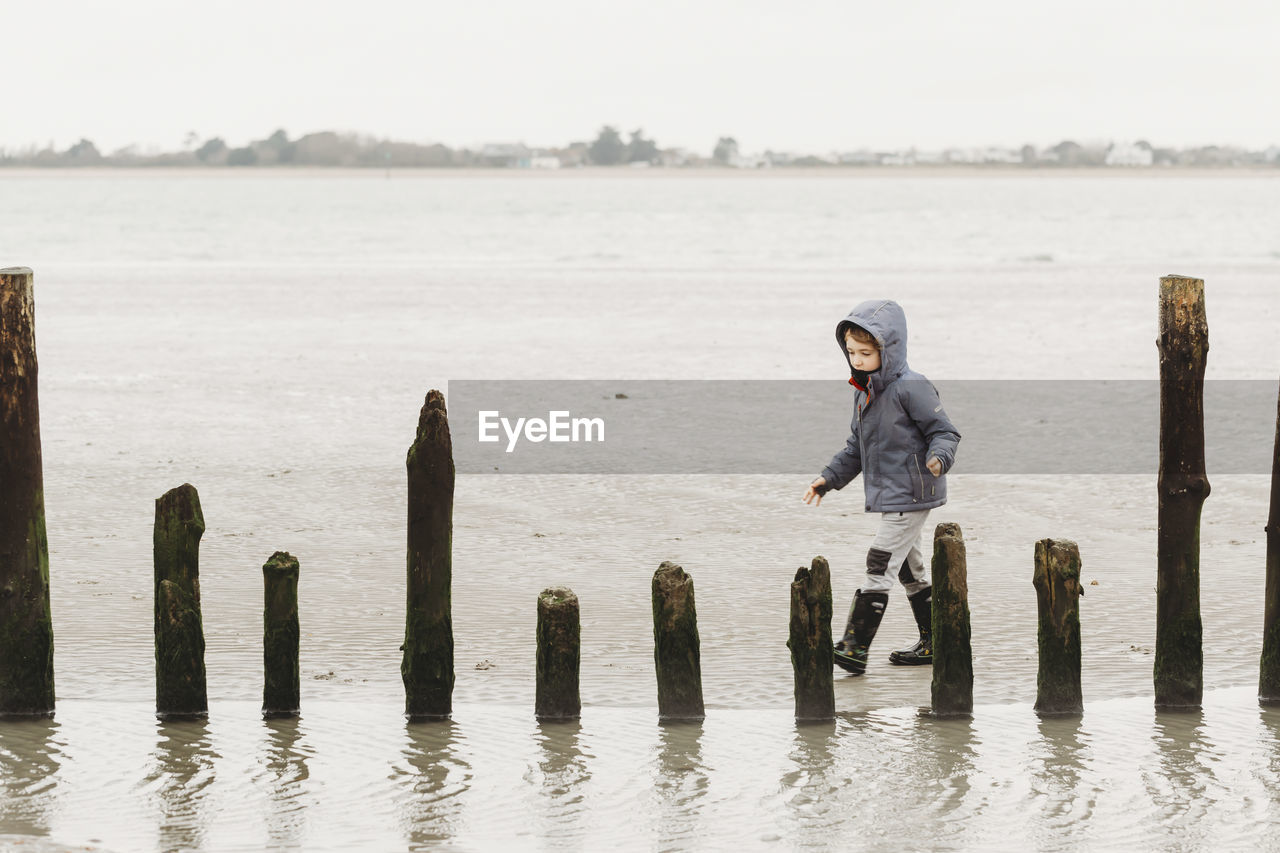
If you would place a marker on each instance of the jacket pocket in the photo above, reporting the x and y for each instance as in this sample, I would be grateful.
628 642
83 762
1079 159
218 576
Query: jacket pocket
917 477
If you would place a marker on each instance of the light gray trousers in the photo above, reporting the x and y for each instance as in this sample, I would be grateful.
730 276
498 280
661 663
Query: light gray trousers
896 551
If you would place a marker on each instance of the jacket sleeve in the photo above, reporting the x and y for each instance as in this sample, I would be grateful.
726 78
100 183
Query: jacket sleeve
844 466
924 406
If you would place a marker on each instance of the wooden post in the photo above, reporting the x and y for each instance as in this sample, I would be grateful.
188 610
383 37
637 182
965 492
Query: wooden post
281 696
558 656
427 666
1058 591
1269 666
952 687
26 629
1182 489
180 677
675 645
810 642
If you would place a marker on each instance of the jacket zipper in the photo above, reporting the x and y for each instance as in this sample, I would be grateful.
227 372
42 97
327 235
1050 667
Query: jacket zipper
915 460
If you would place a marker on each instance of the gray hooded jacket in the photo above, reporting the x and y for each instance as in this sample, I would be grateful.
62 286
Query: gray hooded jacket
898 422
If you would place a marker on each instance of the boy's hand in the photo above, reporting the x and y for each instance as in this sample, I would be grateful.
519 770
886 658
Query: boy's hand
815 491
934 466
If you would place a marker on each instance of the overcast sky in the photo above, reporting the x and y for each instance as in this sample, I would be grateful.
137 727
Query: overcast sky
809 77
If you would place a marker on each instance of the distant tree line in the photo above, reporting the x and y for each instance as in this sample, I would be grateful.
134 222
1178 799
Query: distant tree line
609 148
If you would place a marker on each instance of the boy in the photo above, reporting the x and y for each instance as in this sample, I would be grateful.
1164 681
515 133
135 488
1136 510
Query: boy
903 443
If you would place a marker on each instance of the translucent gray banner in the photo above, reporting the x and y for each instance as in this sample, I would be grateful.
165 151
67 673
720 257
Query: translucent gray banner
794 427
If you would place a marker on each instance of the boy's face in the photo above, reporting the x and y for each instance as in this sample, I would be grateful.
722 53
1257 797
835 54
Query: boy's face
863 356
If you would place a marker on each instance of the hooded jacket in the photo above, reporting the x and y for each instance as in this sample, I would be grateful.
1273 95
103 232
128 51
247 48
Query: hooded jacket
898 422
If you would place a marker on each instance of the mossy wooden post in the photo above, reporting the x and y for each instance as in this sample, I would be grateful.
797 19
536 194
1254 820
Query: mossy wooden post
559 653
26 629
676 655
1058 591
1182 489
281 695
952 687
1269 668
427 666
180 677
810 642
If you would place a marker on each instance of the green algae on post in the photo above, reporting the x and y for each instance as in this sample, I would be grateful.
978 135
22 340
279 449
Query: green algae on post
559 654
1058 591
1182 487
812 655
952 687
180 675
427 665
676 653
281 695
26 626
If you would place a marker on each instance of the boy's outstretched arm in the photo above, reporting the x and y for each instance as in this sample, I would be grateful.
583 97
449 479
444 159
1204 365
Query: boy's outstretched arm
844 467
924 406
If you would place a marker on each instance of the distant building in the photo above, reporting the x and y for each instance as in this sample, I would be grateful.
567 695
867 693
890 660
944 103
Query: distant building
739 160
675 157
861 157
506 154
1129 154
544 162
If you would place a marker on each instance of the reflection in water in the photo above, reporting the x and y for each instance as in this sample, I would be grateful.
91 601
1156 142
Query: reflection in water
30 755
679 783
1269 775
1178 789
810 785
942 757
439 777
1059 758
286 783
182 768
559 779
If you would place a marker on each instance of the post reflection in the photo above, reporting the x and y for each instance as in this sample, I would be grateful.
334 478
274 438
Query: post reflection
30 756
1062 754
287 774
181 771
945 746
433 810
816 783
680 781
560 780
1269 717
1180 781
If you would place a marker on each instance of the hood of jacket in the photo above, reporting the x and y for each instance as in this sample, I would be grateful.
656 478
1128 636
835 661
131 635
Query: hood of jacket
887 322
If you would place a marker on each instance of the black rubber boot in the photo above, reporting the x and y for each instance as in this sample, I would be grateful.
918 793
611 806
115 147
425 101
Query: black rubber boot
921 653
864 621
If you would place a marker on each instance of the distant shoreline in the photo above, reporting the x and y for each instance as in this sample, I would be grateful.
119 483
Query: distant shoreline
595 172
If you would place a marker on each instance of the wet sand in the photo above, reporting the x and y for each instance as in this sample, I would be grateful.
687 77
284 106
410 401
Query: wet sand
271 343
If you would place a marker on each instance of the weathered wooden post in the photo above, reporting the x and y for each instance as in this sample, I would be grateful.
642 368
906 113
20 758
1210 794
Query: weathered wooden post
180 677
1269 667
1058 591
952 687
427 666
1182 489
26 629
676 654
810 642
281 696
559 653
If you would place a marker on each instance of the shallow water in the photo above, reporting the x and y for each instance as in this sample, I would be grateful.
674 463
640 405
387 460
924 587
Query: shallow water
270 339
355 776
